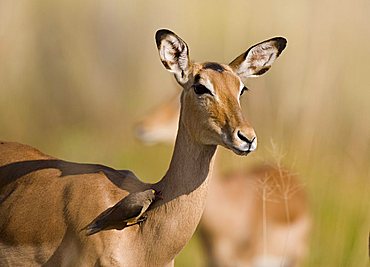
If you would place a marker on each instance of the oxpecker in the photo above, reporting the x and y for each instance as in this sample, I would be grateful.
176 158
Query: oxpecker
127 212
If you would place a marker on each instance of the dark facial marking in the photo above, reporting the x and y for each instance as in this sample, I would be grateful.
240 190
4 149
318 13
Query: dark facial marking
200 89
196 78
213 66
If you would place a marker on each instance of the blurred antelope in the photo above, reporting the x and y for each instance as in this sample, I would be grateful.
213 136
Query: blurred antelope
45 202
255 218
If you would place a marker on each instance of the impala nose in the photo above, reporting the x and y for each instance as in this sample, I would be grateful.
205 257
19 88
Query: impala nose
244 138
248 140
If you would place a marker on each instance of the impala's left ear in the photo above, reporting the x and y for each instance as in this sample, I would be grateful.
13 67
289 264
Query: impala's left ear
174 54
259 58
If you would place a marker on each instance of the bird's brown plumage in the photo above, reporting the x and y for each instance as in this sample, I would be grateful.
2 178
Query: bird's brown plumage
126 212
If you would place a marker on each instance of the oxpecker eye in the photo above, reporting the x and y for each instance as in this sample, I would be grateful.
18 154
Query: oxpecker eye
243 90
200 89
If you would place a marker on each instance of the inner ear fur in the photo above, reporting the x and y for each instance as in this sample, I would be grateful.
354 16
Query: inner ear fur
258 59
174 54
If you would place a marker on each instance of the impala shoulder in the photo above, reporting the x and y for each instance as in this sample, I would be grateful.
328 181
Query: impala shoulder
89 195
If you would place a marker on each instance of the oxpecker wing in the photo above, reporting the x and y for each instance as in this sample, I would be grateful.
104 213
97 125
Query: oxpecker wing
127 212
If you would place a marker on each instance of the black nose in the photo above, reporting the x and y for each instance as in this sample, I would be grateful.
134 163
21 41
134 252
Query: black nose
245 139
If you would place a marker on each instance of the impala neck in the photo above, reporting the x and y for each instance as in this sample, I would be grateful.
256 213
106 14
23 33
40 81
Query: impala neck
189 168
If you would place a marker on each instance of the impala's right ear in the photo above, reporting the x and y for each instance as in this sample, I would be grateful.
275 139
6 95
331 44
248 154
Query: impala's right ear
174 54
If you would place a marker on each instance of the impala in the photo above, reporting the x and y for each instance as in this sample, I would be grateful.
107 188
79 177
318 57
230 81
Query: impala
45 202
256 218
240 225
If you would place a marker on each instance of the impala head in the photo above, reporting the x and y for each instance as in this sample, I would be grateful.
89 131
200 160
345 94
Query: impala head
210 102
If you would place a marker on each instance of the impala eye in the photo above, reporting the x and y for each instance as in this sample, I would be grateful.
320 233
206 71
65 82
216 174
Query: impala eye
243 90
200 89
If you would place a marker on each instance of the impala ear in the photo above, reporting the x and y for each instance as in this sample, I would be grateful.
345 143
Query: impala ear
174 54
258 58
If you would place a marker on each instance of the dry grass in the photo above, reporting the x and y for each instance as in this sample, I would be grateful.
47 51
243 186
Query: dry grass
280 189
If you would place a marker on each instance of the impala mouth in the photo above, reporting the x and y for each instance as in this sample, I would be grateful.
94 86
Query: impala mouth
241 149
237 150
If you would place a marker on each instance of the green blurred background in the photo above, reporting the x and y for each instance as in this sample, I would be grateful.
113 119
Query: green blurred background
76 75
